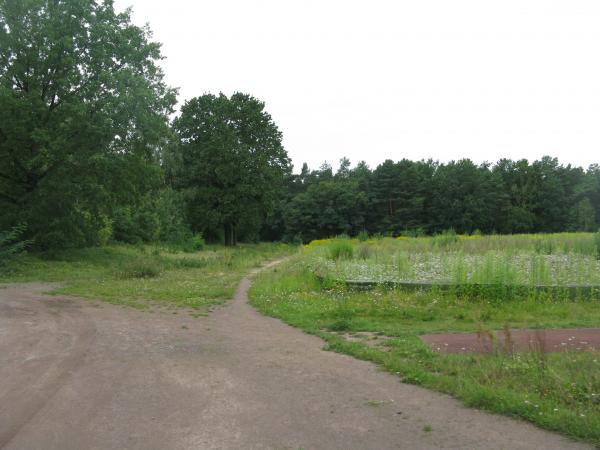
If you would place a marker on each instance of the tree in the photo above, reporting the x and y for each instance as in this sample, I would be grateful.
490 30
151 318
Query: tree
326 209
233 162
83 112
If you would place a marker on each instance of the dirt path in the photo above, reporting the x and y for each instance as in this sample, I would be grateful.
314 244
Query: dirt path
78 376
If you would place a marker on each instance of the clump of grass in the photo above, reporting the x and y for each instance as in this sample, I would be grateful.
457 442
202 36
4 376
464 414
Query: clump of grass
141 268
404 265
545 246
340 324
364 251
341 248
539 272
445 239
597 243
189 263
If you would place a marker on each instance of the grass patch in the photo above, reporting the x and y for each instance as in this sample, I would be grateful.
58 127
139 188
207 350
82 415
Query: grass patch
139 275
140 268
556 391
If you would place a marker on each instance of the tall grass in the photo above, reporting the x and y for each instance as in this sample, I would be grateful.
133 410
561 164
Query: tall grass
560 259
341 248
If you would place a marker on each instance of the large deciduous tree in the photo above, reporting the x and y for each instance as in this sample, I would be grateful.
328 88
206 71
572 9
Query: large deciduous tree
233 163
83 110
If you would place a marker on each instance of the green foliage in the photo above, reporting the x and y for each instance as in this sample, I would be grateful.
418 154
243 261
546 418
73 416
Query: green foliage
197 242
232 162
445 239
414 198
561 386
190 280
364 251
11 244
340 248
363 236
597 243
142 267
84 112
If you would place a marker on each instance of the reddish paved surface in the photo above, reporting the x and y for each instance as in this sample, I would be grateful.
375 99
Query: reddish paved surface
515 340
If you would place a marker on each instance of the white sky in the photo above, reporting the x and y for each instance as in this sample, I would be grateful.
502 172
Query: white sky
379 79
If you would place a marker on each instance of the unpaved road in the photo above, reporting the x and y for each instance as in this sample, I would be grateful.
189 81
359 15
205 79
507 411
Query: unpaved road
81 377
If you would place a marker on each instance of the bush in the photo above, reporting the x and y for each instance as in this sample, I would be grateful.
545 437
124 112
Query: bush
141 268
341 324
341 249
10 245
363 236
194 244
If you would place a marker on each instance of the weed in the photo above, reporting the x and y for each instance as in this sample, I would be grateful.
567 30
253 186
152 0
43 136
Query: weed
375 402
364 251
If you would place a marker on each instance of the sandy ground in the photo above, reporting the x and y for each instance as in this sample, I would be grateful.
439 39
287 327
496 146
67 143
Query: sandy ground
75 375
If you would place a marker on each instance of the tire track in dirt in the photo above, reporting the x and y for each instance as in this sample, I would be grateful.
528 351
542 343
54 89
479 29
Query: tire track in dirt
58 335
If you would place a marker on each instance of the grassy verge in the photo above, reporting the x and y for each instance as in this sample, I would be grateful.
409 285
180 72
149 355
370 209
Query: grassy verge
557 391
136 276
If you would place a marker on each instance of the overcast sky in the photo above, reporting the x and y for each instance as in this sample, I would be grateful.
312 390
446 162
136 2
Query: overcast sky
376 79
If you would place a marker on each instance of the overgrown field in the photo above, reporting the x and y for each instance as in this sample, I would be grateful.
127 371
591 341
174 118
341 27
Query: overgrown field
558 391
141 275
524 260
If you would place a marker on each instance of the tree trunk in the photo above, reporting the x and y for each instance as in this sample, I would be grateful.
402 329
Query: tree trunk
230 234
227 234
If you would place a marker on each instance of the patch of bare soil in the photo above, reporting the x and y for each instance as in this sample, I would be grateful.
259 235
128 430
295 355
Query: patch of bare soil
77 376
555 340
374 340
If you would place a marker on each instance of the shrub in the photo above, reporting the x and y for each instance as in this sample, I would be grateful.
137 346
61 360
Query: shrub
141 268
198 242
341 324
363 236
340 249
10 245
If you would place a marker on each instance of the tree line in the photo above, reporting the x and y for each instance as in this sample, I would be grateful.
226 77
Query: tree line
428 197
90 153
